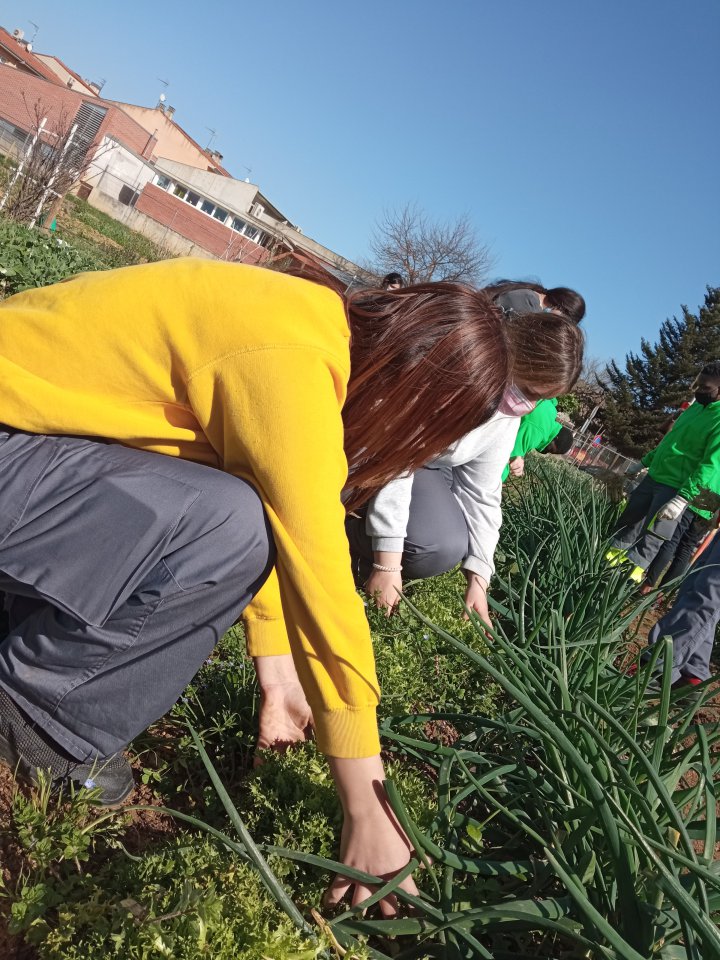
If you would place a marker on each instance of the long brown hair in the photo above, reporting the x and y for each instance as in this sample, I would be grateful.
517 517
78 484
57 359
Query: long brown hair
546 352
429 363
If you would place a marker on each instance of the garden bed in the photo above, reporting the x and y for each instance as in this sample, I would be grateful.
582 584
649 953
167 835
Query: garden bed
559 806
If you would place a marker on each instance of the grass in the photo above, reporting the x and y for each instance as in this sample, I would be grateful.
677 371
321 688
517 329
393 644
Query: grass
95 233
562 809
86 239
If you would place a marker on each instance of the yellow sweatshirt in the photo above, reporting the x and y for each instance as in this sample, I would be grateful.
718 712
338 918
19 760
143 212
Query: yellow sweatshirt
240 368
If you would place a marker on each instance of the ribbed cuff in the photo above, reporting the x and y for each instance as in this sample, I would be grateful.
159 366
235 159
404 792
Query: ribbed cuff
347 732
481 567
266 638
388 544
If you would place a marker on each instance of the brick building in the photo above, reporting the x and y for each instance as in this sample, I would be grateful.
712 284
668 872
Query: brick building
26 98
144 169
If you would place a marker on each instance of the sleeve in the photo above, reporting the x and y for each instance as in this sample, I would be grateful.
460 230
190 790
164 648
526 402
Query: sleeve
648 458
274 417
477 486
388 514
706 475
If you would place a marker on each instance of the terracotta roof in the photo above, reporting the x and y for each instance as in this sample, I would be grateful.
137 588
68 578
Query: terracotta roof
19 52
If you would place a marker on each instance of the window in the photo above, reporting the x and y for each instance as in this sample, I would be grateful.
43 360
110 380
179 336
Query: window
192 198
221 214
162 182
89 119
238 224
180 191
207 207
252 232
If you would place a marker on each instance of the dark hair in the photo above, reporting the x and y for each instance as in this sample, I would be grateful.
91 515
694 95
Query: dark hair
564 299
562 442
429 363
546 352
712 369
391 278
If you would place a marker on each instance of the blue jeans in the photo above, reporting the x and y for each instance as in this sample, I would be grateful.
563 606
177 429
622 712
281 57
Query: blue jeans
692 619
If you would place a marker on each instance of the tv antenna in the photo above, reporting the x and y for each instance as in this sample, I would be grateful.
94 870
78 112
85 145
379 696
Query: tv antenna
213 135
32 38
163 97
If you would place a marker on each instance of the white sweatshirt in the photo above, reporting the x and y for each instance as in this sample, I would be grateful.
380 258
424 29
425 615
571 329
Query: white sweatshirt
474 466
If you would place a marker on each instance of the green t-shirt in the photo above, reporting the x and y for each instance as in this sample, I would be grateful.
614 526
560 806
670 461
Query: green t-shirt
688 456
537 429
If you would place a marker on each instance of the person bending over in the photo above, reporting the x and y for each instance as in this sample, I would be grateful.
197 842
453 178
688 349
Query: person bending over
684 463
539 430
426 521
174 449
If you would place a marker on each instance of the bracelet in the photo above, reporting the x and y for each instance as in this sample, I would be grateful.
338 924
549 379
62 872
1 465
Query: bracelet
379 566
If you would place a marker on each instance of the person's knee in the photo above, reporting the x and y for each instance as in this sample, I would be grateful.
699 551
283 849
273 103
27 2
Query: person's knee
228 537
430 559
244 530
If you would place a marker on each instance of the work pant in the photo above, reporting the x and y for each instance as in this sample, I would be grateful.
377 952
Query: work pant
121 570
631 531
692 619
675 555
437 534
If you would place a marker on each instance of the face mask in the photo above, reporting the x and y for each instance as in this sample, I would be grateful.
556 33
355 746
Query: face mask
704 397
514 403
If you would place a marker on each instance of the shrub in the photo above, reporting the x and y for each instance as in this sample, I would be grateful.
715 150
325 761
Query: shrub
29 258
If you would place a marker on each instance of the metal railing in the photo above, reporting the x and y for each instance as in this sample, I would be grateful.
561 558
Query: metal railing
585 452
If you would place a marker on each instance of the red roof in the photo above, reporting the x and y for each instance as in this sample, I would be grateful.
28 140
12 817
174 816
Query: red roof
19 52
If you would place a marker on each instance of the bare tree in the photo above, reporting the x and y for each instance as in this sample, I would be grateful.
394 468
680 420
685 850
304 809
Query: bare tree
53 161
408 241
588 396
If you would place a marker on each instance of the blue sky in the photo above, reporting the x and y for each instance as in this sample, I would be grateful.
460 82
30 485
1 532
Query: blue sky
580 137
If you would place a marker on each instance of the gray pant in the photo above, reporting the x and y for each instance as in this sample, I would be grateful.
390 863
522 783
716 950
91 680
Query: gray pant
675 555
692 619
437 536
121 570
632 532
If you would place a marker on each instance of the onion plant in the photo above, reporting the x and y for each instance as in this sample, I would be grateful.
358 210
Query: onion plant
580 821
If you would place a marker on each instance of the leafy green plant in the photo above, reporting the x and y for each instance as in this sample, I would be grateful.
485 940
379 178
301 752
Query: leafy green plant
29 258
567 811
585 813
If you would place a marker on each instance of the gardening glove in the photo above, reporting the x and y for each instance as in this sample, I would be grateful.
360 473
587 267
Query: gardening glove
672 509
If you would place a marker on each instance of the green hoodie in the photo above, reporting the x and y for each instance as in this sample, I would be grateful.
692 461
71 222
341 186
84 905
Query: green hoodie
688 456
537 429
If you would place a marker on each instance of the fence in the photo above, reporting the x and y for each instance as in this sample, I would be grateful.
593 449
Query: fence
586 453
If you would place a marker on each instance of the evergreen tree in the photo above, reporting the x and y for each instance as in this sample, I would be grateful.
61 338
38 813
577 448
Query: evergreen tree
641 398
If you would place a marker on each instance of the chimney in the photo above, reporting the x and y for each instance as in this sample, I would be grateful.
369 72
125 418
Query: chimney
216 157
169 112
